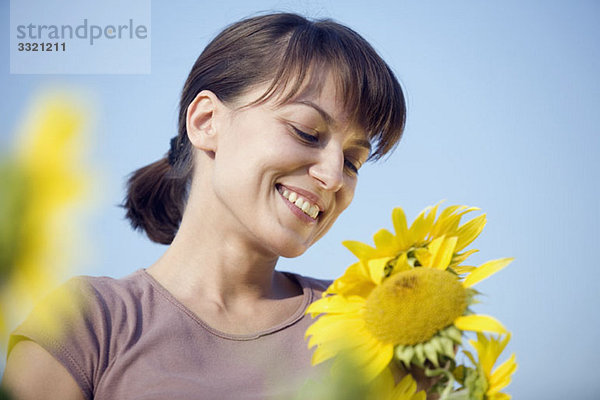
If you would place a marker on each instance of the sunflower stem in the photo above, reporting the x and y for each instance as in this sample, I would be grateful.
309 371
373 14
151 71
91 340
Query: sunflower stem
462 394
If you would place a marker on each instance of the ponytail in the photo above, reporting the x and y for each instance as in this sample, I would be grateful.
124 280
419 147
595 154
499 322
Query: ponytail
155 200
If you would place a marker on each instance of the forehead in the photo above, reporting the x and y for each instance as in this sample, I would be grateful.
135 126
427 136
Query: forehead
321 91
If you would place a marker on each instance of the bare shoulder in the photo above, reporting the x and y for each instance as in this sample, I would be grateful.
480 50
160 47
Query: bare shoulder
32 373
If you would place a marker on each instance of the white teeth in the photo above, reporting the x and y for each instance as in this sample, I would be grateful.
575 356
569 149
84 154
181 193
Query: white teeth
312 210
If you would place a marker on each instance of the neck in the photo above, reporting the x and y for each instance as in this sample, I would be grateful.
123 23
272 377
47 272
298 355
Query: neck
206 260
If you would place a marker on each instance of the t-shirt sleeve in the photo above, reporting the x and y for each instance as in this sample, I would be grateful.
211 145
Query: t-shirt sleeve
318 286
72 325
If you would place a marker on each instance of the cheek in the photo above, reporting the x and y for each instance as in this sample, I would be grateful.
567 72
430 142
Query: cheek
346 195
342 201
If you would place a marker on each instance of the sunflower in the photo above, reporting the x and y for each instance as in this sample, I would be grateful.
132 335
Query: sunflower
480 382
405 297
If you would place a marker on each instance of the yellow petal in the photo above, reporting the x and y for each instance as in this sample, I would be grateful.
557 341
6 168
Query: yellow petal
382 386
329 322
361 250
406 385
323 353
485 270
334 348
336 304
380 355
385 242
460 257
434 247
376 269
400 227
479 323
334 333
501 376
470 356
499 396
463 269
406 390
421 395
355 271
423 256
447 222
487 352
355 281
401 264
443 255
469 231
421 226
502 343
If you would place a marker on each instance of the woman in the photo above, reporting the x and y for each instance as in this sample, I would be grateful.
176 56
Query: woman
276 118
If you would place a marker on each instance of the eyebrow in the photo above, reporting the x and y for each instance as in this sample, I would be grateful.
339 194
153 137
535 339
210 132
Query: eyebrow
330 121
324 114
363 143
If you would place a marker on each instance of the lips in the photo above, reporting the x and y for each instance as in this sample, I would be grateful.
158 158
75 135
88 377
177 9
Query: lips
300 201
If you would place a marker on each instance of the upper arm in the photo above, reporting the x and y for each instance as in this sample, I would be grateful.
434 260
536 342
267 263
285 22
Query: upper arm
32 373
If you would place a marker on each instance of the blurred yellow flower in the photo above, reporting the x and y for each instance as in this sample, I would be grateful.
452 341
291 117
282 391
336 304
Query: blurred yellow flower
46 183
346 382
385 388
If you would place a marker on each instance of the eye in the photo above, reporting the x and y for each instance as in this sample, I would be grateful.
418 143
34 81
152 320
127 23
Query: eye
351 166
305 137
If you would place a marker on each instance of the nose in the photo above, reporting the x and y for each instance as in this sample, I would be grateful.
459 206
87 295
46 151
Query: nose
328 170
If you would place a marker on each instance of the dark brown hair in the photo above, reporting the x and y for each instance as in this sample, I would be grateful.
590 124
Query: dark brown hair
279 49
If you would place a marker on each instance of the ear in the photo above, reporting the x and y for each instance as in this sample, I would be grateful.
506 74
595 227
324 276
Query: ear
201 120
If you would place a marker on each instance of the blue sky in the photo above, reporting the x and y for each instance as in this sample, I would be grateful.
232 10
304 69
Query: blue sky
503 102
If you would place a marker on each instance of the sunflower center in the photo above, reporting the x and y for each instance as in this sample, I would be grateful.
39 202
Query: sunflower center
412 306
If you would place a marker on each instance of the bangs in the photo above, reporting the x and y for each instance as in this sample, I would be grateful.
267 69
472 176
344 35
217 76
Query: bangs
371 94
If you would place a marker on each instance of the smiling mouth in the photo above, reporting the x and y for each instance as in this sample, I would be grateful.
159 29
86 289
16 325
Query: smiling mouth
308 208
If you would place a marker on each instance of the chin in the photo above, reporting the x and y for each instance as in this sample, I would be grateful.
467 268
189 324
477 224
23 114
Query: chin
292 254
289 250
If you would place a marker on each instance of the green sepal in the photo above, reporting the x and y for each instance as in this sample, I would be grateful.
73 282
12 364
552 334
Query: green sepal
405 354
453 333
420 353
447 347
430 353
476 384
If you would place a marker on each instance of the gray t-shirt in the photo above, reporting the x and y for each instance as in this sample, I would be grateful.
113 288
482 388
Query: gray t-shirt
130 338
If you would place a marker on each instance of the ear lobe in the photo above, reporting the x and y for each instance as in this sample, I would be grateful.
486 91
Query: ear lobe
201 121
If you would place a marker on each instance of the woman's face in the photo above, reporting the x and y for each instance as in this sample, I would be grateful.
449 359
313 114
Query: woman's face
283 174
